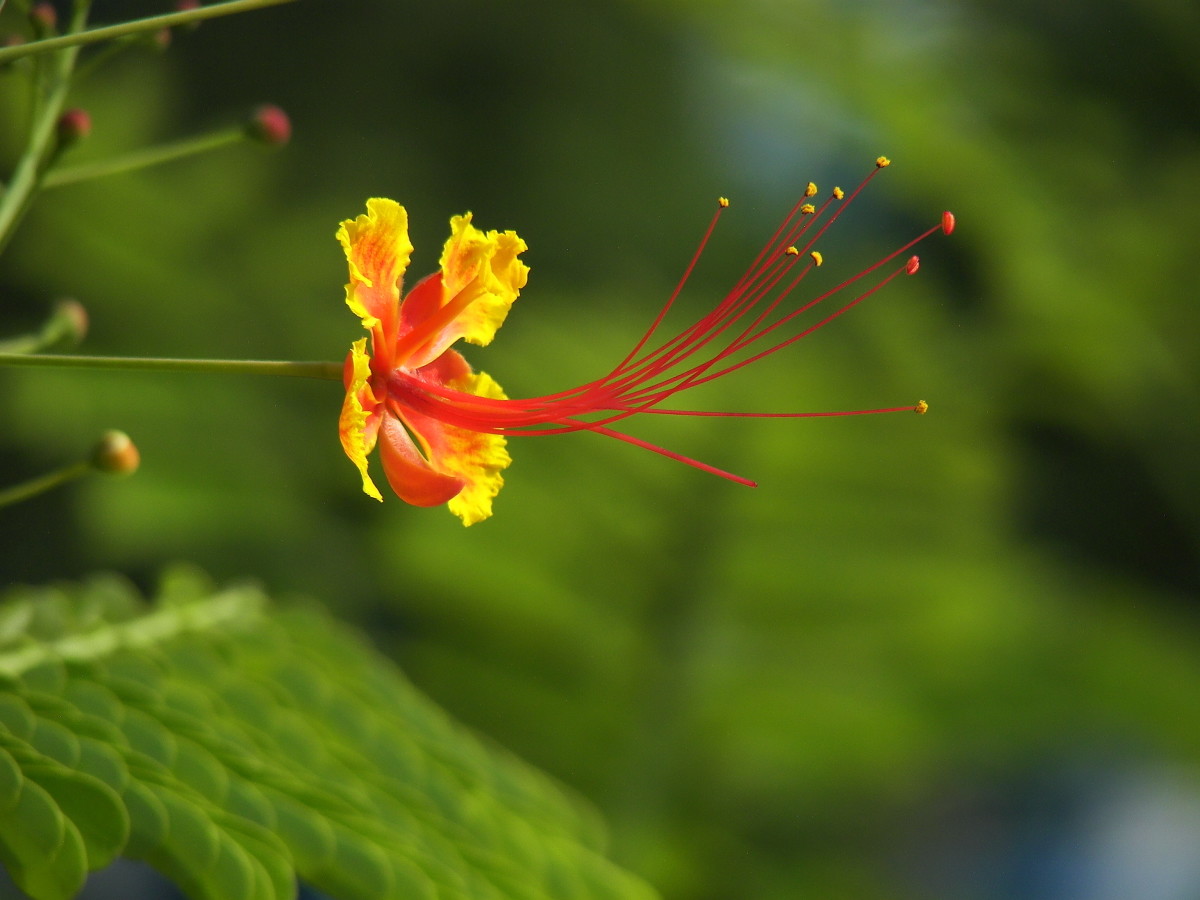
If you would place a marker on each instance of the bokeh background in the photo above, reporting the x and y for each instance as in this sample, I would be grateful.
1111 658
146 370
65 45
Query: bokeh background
950 656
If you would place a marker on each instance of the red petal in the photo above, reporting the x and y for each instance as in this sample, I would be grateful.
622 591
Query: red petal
408 472
423 301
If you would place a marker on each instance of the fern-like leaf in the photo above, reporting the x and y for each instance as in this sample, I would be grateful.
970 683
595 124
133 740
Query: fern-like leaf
237 746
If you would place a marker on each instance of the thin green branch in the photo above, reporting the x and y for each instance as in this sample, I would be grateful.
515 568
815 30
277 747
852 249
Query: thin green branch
140 159
326 371
151 23
64 329
39 485
25 176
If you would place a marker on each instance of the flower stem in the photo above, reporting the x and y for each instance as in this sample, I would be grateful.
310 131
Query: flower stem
140 159
43 483
65 328
151 23
326 371
26 175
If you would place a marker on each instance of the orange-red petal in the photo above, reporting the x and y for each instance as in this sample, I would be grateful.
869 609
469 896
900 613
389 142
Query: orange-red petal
408 472
480 278
473 458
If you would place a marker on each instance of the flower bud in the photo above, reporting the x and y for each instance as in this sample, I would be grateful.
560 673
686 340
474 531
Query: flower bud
44 17
68 325
115 453
187 6
73 126
270 125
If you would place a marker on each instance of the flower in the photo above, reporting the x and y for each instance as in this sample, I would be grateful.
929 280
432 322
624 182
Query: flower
441 426
428 459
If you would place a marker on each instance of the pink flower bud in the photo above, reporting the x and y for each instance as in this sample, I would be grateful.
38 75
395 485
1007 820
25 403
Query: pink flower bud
187 6
43 16
270 125
73 126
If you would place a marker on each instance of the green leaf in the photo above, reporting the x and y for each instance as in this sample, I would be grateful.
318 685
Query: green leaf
91 806
239 748
41 847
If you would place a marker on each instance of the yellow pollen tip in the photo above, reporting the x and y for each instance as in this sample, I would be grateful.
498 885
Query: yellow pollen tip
792 251
811 190
882 162
838 193
921 408
723 202
807 209
817 258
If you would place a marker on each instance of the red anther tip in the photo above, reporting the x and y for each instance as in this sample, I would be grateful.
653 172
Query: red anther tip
947 222
914 263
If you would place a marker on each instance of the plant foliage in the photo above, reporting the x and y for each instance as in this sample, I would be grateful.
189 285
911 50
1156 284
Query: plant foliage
237 746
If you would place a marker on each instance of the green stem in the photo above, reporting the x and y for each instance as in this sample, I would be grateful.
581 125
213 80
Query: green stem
326 371
140 159
65 328
26 343
151 23
25 177
42 483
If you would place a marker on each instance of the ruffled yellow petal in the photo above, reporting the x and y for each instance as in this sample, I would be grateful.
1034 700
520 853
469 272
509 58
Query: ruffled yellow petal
481 273
475 457
352 424
378 249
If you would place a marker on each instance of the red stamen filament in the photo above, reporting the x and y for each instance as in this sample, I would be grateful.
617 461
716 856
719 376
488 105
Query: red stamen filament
642 380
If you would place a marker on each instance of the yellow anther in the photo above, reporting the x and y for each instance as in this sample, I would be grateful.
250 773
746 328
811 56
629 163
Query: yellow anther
882 162
792 251
817 258
921 408
722 202
838 193
811 190
807 209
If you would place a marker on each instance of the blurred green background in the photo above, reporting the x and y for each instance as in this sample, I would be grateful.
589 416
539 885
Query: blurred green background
949 656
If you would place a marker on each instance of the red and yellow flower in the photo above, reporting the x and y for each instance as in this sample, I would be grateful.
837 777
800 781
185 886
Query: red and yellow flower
426 460
440 426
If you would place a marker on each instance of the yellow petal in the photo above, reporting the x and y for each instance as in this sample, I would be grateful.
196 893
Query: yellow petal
476 457
352 424
484 269
378 249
